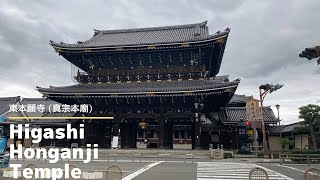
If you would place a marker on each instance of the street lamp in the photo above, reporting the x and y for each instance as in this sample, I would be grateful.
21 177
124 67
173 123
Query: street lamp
278 107
264 90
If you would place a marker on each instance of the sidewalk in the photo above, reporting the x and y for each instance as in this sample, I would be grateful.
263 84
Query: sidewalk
174 153
251 160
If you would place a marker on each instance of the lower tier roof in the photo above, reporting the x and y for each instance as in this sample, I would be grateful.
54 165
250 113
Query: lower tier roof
234 114
141 87
5 102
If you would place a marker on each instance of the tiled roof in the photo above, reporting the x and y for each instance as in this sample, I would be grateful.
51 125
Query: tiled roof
37 101
290 127
142 87
146 36
6 101
238 99
275 129
234 114
53 121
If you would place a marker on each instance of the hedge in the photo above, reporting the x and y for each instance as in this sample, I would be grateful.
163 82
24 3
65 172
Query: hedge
302 152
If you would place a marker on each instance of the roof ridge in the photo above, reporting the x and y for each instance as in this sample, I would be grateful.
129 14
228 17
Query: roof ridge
231 107
10 98
156 28
35 99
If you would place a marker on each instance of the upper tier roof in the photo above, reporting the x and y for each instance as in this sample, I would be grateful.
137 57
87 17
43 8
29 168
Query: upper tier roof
146 36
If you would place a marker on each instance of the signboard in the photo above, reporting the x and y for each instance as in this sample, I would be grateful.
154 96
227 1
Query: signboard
115 142
250 132
253 110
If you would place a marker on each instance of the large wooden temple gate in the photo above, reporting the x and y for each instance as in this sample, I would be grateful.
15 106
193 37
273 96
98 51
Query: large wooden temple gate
155 82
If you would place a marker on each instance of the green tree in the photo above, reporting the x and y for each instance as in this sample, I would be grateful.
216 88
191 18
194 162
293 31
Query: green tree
287 141
301 130
311 115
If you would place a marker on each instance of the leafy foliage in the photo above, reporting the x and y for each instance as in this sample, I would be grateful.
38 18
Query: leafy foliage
286 141
304 152
311 116
309 113
301 130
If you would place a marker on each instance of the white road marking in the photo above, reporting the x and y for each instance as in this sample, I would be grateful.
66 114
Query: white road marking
290 168
232 171
95 160
140 171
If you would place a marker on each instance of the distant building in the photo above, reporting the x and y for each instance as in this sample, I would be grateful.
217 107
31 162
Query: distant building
280 135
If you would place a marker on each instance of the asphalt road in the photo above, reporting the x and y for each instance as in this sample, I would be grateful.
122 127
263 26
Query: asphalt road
294 171
178 169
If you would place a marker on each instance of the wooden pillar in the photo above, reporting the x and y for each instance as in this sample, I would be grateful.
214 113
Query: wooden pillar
197 133
124 134
168 134
133 134
197 129
128 134
165 132
116 126
161 120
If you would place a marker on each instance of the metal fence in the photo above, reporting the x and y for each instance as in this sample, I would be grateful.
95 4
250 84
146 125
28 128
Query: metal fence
139 157
299 158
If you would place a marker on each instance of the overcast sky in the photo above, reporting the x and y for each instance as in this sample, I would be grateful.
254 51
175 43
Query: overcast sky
265 40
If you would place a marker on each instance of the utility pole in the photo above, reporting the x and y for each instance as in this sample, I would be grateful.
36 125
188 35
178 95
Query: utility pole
278 107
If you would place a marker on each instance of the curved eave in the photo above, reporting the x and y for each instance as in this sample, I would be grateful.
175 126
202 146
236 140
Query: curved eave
45 92
78 47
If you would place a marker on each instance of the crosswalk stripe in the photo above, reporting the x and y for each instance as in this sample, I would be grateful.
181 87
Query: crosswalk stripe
232 171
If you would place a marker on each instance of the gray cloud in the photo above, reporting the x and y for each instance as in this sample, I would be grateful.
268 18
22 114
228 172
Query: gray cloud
265 40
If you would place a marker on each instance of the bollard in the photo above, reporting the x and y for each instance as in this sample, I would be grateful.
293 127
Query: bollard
186 155
136 156
308 157
192 158
271 156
